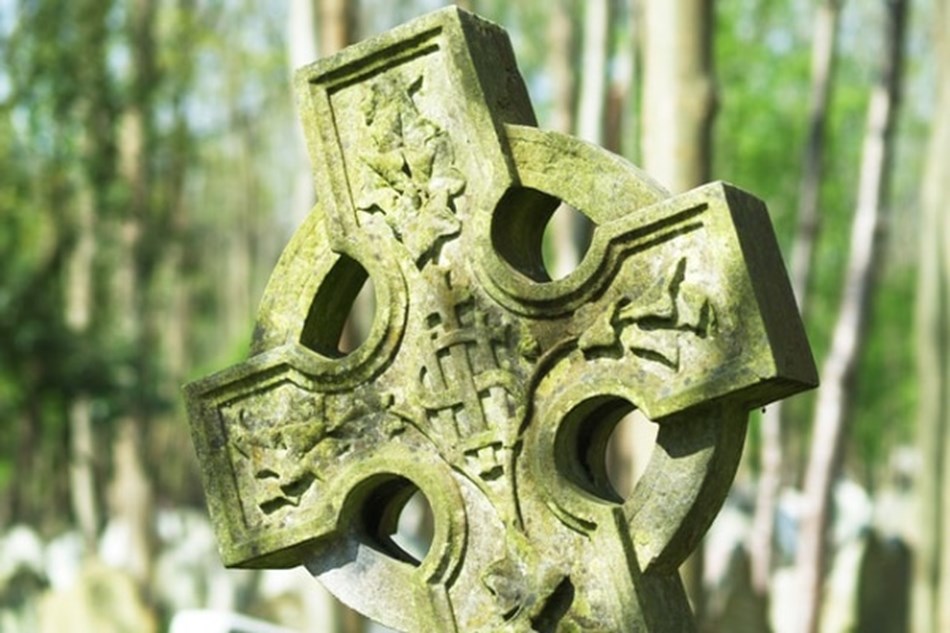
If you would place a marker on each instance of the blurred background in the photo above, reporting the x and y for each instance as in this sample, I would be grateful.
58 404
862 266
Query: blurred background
152 168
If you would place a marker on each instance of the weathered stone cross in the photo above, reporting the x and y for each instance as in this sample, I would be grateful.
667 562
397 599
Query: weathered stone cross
483 383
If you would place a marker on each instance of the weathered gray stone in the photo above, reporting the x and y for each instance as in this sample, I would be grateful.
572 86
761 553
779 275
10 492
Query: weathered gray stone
883 600
482 382
738 609
731 604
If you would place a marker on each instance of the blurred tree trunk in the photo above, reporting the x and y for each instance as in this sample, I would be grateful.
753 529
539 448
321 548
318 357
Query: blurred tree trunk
137 245
238 257
592 100
679 91
561 60
931 592
79 292
618 77
622 132
824 46
301 50
832 406
173 296
338 24
167 309
22 501
92 179
679 104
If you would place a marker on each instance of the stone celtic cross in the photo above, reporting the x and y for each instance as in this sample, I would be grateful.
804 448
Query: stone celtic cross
482 383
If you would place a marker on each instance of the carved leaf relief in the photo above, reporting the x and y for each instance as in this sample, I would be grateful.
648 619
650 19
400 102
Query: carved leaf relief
530 594
654 324
408 168
285 439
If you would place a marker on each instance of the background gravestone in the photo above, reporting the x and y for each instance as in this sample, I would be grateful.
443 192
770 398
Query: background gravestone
482 383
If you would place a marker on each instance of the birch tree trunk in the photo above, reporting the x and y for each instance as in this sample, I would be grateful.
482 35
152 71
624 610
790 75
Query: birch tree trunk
78 317
679 94
832 406
94 117
301 49
621 133
167 307
561 68
824 48
931 590
130 493
678 106
591 106
337 21
561 47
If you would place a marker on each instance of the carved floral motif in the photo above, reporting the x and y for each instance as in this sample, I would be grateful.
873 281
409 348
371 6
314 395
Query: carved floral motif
287 437
409 172
654 324
529 592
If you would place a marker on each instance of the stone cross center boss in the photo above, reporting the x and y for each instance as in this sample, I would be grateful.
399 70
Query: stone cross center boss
483 383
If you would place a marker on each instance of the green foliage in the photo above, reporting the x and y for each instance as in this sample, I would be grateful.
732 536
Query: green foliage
886 389
763 68
762 64
76 74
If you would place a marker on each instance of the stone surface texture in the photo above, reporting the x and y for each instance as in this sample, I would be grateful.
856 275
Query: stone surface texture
482 383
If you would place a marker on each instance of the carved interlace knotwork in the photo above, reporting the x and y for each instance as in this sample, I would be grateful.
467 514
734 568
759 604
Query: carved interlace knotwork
409 173
468 373
471 389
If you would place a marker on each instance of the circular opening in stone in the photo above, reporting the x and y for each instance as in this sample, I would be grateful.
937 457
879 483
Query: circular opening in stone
538 235
397 518
359 321
342 312
415 527
628 451
566 241
602 445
